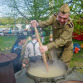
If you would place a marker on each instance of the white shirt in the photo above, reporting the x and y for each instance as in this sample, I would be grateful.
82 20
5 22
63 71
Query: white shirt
29 52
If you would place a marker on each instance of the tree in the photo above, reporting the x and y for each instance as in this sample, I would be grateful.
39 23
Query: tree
29 9
76 7
6 20
41 9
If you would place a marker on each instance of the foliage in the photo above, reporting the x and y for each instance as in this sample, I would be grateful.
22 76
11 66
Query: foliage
21 20
23 11
78 26
76 7
33 9
6 20
11 21
38 9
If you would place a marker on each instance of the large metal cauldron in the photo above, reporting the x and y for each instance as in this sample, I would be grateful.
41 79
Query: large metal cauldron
28 76
67 75
38 73
70 74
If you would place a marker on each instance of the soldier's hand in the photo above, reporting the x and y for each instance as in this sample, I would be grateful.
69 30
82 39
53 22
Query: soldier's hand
43 49
34 23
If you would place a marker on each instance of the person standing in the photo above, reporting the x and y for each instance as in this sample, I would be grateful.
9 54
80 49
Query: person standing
62 28
28 39
32 52
17 48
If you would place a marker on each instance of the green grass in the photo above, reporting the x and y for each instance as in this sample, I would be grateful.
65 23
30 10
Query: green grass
7 42
77 59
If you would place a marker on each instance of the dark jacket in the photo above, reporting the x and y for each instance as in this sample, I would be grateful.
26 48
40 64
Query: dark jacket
16 62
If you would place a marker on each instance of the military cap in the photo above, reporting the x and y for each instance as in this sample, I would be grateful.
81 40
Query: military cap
65 9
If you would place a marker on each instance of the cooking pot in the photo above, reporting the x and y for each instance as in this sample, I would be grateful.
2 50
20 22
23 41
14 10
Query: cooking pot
38 73
68 74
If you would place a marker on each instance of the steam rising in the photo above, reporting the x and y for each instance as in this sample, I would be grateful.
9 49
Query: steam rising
57 68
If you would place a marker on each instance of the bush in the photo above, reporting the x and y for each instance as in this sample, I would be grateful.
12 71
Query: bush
78 26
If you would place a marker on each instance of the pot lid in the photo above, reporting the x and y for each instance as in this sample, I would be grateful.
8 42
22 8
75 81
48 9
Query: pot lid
7 57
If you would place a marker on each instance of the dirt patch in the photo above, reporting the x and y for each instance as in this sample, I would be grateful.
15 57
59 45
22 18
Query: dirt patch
80 56
79 64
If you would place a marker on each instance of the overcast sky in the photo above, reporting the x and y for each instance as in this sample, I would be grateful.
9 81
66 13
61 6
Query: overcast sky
3 8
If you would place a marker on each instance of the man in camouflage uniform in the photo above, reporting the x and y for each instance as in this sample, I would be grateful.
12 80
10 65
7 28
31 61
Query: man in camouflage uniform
62 28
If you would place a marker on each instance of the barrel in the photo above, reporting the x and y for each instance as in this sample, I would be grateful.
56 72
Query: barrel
6 68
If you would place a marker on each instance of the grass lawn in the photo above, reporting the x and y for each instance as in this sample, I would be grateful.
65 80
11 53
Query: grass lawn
6 43
77 59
